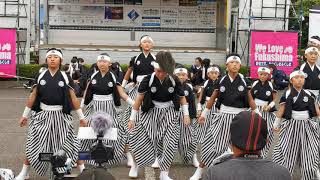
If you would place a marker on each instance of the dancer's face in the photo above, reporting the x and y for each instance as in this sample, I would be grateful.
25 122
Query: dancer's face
263 76
182 77
146 45
312 57
297 81
103 65
213 75
161 75
233 66
54 61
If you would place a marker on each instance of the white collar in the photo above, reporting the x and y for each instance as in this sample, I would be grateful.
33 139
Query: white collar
231 78
311 66
146 55
53 73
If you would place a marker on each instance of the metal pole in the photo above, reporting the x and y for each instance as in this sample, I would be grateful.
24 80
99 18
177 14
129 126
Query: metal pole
249 32
45 22
300 27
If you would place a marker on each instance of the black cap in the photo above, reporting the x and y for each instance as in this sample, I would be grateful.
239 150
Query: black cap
249 131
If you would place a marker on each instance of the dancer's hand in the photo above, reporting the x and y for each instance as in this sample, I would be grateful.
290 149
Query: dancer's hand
266 108
201 120
23 121
186 120
130 124
83 123
198 113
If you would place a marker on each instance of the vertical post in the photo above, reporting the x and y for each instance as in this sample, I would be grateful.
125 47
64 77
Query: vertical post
27 44
249 32
45 22
300 27
228 26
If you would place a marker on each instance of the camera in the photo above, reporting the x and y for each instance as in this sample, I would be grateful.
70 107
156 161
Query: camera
99 152
60 163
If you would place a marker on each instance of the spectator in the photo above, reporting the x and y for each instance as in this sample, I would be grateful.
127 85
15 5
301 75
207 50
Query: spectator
196 72
248 136
278 77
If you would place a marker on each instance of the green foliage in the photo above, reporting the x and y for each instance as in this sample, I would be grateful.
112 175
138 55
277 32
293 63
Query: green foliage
28 70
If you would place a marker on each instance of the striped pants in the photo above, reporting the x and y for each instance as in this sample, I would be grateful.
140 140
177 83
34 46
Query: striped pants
125 119
188 140
270 118
202 129
299 140
118 145
217 138
50 131
156 134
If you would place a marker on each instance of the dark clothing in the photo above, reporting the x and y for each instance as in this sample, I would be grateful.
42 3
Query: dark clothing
304 101
188 93
197 78
312 80
142 65
116 69
233 94
207 90
281 80
53 90
263 91
247 169
170 89
106 85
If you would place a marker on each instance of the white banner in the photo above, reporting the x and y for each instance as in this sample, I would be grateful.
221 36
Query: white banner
314 22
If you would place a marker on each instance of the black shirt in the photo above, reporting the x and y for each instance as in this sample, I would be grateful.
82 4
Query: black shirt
161 91
188 93
262 91
233 94
298 101
142 65
312 80
103 85
207 90
51 88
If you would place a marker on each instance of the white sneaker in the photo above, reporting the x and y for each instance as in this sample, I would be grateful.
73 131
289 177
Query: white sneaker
155 164
195 161
198 174
24 174
164 175
133 173
130 161
81 167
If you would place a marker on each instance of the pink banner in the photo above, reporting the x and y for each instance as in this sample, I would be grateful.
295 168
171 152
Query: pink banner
278 48
7 53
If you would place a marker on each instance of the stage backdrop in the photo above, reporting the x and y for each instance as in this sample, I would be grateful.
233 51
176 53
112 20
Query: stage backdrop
7 53
278 48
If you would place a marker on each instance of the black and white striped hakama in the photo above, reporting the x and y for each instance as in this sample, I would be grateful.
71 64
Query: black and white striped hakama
188 139
156 134
50 130
101 103
299 140
125 118
217 138
202 129
270 118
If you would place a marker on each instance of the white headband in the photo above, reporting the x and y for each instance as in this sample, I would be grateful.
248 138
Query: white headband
315 41
297 73
311 49
233 58
264 69
214 69
147 38
180 70
54 52
103 58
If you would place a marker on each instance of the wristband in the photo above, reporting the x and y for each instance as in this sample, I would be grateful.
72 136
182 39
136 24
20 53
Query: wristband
124 83
185 109
271 105
80 113
130 101
133 115
205 112
257 111
82 103
199 107
26 112
276 123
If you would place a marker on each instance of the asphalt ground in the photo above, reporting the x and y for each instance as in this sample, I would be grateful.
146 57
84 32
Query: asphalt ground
13 138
